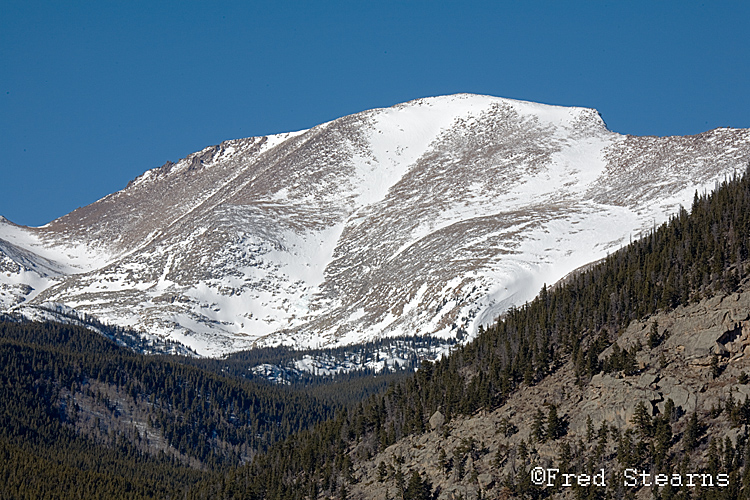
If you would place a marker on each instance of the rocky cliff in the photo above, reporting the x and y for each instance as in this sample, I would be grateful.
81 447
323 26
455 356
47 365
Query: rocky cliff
698 365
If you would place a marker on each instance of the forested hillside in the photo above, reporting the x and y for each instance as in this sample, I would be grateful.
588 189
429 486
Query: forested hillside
693 256
97 418
84 418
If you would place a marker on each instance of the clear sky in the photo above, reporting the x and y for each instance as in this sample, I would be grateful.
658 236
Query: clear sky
92 94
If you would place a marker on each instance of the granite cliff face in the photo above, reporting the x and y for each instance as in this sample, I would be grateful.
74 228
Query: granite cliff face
682 368
430 217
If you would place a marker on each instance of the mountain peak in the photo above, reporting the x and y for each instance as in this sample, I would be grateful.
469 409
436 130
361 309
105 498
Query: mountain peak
429 217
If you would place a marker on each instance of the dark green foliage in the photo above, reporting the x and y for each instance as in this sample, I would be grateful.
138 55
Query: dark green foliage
662 432
537 427
654 338
692 433
671 412
506 427
642 420
621 360
418 488
119 335
41 455
443 462
193 409
555 425
76 468
383 470
400 482
739 413
54 378
522 451
343 389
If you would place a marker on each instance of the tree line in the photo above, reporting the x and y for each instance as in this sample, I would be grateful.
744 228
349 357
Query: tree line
692 256
301 446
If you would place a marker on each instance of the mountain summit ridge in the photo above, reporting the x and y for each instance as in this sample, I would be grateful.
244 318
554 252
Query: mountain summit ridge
428 217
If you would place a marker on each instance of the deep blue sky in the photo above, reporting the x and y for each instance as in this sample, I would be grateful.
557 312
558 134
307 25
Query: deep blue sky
92 94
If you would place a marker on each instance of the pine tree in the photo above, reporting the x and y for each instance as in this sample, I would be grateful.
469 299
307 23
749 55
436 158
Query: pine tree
537 427
692 432
642 420
554 425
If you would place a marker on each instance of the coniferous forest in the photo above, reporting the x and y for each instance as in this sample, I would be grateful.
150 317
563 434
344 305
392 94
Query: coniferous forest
84 418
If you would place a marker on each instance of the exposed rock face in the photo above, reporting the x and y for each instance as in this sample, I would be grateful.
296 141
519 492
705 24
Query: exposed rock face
430 217
678 369
436 421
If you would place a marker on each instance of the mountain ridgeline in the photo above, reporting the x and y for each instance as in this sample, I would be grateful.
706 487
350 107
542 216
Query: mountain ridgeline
84 417
695 255
430 217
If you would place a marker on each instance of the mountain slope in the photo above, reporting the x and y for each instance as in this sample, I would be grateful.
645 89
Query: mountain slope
640 363
430 217
491 454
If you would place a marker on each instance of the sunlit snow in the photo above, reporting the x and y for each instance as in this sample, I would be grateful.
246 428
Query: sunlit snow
431 217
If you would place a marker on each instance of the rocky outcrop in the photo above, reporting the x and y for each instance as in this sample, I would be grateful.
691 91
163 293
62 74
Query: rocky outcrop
436 421
698 364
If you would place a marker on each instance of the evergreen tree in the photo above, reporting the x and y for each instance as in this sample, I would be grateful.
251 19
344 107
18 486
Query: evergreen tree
537 427
554 424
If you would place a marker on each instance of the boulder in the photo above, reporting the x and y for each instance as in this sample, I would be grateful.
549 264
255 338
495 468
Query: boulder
436 421
485 481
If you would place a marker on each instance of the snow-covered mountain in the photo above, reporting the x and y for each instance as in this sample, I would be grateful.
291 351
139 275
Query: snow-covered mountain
429 217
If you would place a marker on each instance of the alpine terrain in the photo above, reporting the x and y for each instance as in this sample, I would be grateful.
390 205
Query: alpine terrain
427 218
